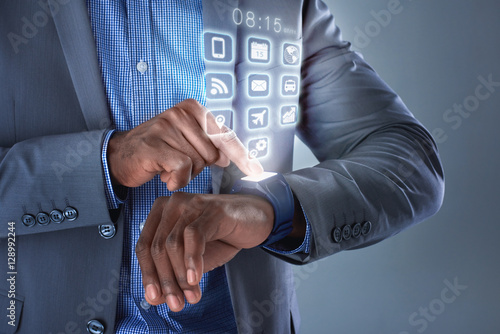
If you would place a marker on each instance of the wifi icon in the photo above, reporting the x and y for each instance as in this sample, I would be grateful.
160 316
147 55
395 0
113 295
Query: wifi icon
219 86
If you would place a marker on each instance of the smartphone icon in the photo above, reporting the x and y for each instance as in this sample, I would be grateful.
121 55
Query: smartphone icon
218 47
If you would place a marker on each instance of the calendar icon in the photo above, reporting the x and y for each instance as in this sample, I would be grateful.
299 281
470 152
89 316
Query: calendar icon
258 50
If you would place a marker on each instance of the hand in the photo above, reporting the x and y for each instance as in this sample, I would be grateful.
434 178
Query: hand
177 144
186 235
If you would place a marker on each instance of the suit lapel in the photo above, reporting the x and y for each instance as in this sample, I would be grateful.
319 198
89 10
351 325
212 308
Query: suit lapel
73 27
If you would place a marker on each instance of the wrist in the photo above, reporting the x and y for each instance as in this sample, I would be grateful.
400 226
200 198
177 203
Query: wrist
274 188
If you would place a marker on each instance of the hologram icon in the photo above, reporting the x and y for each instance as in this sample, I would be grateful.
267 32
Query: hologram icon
291 54
258 85
218 47
258 118
219 86
220 120
258 147
289 85
288 114
259 50
223 118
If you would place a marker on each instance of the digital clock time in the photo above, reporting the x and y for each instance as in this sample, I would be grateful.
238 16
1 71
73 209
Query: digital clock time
251 20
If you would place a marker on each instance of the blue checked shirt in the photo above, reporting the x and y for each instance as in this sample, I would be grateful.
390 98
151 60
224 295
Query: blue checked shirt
151 58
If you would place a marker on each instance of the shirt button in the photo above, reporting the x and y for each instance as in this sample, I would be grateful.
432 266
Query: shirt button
141 226
142 67
145 305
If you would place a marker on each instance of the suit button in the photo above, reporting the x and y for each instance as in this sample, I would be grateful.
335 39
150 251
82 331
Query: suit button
356 230
56 216
70 213
107 231
366 228
337 235
95 327
28 220
346 232
42 218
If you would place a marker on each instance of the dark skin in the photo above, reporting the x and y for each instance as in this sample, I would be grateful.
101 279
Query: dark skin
186 235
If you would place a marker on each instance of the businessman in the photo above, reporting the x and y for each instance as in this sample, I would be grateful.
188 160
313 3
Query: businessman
105 113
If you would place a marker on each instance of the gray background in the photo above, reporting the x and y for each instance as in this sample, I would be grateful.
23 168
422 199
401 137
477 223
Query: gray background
432 54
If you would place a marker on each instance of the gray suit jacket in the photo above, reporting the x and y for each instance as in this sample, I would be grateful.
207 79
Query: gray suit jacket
378 171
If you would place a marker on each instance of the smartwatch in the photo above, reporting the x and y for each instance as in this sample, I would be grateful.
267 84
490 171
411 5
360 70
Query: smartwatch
274 188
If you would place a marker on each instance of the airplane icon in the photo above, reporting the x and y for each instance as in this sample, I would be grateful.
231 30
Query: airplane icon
259 117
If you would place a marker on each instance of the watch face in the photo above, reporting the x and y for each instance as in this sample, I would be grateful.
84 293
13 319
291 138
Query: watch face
259 177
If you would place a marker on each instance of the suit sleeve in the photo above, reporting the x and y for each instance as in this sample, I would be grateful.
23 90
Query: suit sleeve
53 172
379 167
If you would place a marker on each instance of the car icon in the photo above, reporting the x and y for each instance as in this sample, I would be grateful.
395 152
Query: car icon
290 86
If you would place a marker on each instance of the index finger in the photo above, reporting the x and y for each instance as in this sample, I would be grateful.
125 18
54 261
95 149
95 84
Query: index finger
228 143
223 138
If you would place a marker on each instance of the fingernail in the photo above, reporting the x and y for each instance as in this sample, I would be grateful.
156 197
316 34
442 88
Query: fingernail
191 276
152 292
173 302
190 296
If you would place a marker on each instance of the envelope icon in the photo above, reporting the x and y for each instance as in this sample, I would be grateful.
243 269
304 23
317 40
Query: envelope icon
259 85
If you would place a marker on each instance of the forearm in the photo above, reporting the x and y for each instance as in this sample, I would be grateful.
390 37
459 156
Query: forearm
379 167
392 181
53 172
